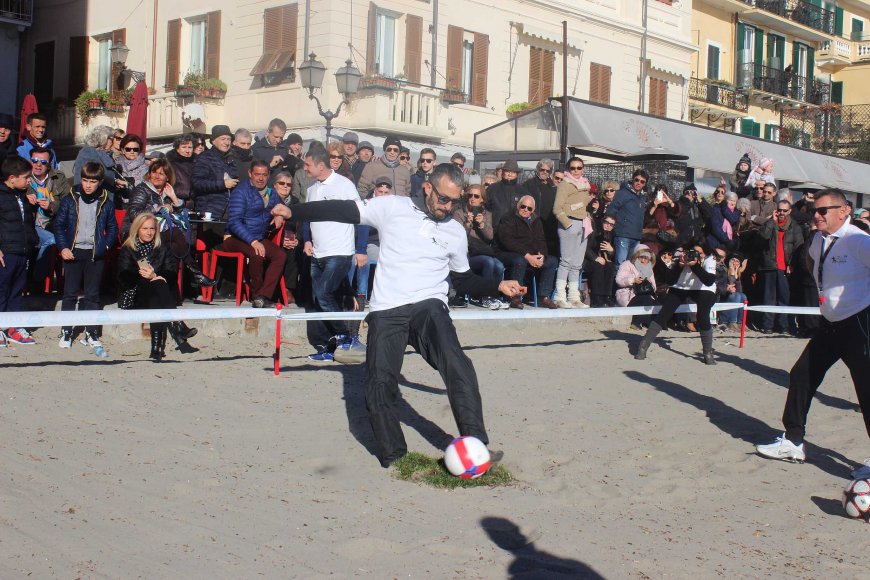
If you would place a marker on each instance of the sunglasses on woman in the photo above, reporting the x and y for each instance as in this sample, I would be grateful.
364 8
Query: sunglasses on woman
335 156
575 168
475 196
131 149
404 157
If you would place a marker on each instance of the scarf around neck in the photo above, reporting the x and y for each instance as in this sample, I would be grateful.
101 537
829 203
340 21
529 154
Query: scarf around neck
580 183
390 164
144 250
646 270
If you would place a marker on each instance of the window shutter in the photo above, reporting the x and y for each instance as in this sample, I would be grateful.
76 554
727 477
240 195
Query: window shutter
119 36
78 67
759 50
479 69
547 59
811 65
599 83
213 45
838 21
756 129
454 57
535 60
741 34
746 126
413 47
768 131
712 62
837 92
371 41
658 97
173 47
280 26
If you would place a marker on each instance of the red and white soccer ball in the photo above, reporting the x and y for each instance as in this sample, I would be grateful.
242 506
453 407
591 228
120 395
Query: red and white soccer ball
856 499
467 457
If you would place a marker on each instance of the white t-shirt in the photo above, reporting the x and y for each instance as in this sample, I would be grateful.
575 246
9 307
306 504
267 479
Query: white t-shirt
332 238
416 254
846 273
688 280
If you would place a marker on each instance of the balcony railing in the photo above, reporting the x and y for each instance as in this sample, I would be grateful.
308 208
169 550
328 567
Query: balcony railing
16 11
779 82
799 11
716 94
842 130
836 48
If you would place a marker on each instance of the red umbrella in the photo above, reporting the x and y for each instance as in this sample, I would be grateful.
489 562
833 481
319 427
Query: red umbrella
28 107
137 119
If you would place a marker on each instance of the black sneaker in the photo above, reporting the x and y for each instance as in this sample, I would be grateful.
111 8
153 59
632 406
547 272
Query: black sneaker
457 302
262 302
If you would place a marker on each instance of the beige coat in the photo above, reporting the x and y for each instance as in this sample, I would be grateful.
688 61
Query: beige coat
570 203
400 176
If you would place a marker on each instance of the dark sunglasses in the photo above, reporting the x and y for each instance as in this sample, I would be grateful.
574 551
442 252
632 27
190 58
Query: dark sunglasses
132 149
283 183
557 178
117 138
544 170
523 206
424 160
391 150
639 180
336 156
459 165
443 199
575 168
404 157
783 210
610 189
609 223
40 161
475 196
823 210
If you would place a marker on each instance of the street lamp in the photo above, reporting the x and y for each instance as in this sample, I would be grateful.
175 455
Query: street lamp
119 54
311 73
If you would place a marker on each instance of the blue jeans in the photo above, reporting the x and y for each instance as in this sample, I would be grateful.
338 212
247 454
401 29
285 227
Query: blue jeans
488 267
327 275
623 248
730 316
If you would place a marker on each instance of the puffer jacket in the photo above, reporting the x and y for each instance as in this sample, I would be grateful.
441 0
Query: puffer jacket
144 198
17 234
264 151
625 278
248 219
400 175
690 223
162 260
67 222
628 208
716 236
570 203
209 191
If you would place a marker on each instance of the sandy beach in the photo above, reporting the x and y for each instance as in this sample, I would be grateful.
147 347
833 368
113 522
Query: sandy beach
207 466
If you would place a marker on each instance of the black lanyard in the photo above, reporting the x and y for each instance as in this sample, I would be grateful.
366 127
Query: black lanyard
823 258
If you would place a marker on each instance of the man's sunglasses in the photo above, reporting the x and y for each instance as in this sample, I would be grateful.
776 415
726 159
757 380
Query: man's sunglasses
543 170
526 207
639 180
823 210
443 199
783 210
404 157
132 149
391 150
40 161
424 160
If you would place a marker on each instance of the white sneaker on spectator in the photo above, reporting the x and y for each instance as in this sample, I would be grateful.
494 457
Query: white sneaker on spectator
862 472
782 449
88 340
3 343
503 303
491 303
65 339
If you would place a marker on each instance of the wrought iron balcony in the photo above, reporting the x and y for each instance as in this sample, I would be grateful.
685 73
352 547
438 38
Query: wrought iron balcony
16 11
799 11
717 94
787 84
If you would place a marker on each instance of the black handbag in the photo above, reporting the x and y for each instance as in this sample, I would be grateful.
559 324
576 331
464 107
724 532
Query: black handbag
644 288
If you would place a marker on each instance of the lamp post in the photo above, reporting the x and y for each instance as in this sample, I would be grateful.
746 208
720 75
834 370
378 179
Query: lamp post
311 73
119 54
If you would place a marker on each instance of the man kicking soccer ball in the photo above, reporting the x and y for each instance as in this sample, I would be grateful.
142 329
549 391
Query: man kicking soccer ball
420 246
841 267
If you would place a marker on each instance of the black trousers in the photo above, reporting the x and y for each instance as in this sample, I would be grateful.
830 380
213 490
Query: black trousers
848 340
704 299
427 327
82 273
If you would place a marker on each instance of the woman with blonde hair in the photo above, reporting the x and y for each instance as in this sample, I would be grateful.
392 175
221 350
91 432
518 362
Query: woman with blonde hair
145 269
336 159
575 226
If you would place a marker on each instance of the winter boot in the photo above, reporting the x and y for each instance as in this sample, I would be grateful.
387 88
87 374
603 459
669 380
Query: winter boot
574 298
707 345
186 331
561 300
157 330
176 331
651 333
200 279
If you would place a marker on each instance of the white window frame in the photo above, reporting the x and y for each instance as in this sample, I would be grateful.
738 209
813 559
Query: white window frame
801 58
774 131
104 62
718 64
782 45
386 37
467 63
197 34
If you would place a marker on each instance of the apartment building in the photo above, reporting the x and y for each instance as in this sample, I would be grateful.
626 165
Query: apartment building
776 69
435 71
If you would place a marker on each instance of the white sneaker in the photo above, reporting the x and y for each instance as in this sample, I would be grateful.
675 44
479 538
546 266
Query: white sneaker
65 339
88 340
3 343
491 303
783 449
503 303
862 472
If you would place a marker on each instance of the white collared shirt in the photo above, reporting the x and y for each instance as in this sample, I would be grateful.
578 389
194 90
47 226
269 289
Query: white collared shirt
846 276
332 238
416 253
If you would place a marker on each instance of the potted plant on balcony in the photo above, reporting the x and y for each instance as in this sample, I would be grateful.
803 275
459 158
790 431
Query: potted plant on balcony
517 109
453 96
213 88
191 86
378 81
89 101
115 105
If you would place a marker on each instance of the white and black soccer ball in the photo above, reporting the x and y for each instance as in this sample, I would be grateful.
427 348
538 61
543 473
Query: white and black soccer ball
856 499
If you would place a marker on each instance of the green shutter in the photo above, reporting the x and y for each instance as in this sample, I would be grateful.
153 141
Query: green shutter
712 62
759 46
746 126
811 66
756 130
838 21
837 92
767 131
741 32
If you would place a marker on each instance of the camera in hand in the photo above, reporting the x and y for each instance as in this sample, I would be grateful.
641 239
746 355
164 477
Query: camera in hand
692 255
476 210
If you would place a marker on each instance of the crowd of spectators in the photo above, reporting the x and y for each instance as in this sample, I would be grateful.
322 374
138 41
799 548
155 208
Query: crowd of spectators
574 242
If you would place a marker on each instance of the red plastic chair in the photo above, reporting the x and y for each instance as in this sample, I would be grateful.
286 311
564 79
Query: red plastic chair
242 289
277 240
